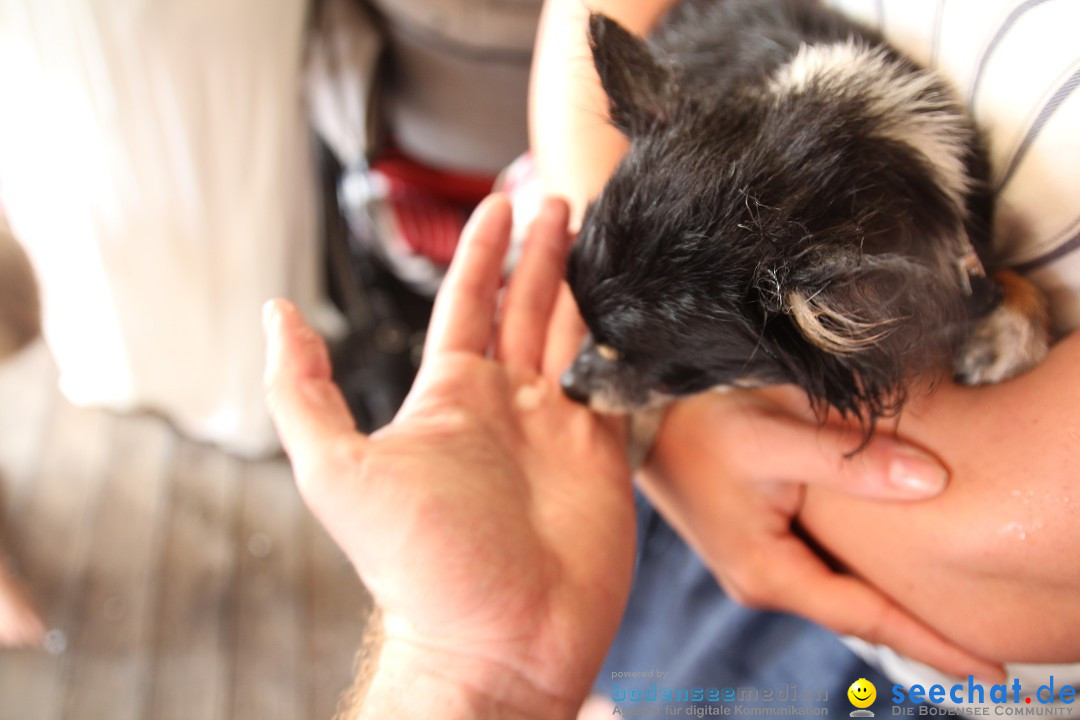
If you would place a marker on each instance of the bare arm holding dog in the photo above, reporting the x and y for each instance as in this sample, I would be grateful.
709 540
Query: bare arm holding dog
575 146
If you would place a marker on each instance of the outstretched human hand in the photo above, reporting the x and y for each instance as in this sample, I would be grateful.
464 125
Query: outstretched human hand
492 520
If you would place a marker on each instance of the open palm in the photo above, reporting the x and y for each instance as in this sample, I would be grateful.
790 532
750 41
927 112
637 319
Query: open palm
492 520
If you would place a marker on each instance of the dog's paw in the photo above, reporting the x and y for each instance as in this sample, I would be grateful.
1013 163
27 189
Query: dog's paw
1009 341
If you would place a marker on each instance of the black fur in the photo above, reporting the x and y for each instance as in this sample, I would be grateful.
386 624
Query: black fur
733 200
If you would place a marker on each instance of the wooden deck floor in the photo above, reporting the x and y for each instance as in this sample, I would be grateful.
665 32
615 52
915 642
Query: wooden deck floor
180 583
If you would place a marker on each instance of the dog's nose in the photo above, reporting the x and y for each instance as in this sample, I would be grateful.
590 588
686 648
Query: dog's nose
574 389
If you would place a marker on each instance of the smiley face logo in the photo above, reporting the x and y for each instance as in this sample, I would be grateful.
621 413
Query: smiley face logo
862 693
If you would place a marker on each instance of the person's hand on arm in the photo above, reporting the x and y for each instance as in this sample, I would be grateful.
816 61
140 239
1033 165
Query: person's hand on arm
731 472
492 520
990 563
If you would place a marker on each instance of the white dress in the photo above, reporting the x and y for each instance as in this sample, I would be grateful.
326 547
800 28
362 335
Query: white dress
155 162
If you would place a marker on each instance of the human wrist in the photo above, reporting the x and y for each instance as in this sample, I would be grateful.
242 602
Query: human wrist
413 681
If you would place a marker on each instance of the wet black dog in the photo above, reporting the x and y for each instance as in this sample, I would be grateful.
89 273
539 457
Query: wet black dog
800 204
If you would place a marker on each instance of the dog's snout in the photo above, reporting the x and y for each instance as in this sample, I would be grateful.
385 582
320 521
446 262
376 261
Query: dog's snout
573 387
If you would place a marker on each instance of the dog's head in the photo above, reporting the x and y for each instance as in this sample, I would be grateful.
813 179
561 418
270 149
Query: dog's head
754 243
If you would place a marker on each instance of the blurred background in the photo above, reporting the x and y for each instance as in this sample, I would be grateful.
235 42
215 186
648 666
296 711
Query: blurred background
166 166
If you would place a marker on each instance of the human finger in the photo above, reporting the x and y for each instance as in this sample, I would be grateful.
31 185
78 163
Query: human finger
307 408
534 287
464 311
832 456
799 582
564 334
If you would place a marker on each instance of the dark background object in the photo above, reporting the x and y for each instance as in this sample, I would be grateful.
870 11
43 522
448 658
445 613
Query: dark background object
20 306
375 363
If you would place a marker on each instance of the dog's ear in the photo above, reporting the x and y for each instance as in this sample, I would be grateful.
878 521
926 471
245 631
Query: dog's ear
851 304
636 83
845 305
881 320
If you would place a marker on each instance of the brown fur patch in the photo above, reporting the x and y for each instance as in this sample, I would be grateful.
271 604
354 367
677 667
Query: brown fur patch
1023 297
1010 340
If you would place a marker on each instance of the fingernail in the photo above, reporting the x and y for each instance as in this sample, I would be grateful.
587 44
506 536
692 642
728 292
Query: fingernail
553 209
483 210
917 472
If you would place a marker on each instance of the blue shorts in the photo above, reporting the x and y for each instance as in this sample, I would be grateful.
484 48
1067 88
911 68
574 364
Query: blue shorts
714 653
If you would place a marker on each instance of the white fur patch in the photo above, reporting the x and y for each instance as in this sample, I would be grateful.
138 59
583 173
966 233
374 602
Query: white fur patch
607 352
832 330
914 108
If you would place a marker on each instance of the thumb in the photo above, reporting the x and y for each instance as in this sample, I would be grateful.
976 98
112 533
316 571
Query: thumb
830 456
307 408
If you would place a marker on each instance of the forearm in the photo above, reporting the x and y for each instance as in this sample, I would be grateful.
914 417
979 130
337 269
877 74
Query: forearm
576 148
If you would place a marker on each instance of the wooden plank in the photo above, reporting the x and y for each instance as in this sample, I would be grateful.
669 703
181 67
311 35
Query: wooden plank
196 594
53 527
150 554
110 656
28 396
337 607
269 608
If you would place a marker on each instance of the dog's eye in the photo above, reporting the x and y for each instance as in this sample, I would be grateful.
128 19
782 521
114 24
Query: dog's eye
607 352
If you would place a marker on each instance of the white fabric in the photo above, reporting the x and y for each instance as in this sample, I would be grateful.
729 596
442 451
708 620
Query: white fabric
1008 59
154 160
459 94
343 58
